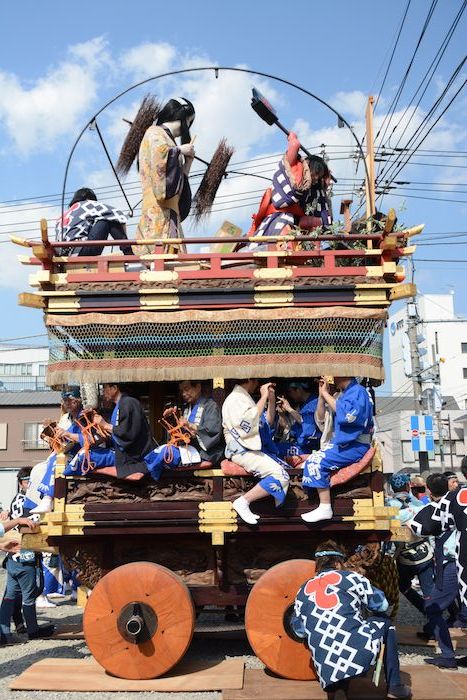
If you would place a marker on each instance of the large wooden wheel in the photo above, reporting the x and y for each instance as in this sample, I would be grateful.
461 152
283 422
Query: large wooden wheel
267 620
139 621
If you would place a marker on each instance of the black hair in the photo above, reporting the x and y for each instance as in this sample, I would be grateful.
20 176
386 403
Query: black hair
23 473
82 194
450 474
174 111
331 561
318 166
437 484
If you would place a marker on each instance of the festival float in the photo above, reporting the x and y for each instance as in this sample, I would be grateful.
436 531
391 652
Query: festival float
210 308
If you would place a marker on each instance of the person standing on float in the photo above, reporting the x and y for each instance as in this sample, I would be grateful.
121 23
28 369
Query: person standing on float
164 167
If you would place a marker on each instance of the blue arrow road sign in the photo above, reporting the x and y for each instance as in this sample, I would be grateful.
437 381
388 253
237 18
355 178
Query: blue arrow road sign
421 428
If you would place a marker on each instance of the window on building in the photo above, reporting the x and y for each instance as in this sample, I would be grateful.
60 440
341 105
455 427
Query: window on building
464 347
465 372
32 440
3 435
18 369
42 370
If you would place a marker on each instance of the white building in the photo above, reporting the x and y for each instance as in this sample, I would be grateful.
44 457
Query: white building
442 334
394 435
23 369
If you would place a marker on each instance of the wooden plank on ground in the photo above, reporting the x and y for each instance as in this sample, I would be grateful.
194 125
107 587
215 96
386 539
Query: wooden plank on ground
459 679
427 683
71 631
86 675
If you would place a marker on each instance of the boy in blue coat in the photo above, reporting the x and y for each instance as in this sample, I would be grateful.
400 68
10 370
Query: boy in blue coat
351 439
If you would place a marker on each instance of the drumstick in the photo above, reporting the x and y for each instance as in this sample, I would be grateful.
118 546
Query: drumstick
379 665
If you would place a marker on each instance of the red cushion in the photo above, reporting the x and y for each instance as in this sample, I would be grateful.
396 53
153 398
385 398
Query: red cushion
189 467
347 473
112 471
231 469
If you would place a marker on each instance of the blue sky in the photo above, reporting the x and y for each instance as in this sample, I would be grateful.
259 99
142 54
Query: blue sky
61 61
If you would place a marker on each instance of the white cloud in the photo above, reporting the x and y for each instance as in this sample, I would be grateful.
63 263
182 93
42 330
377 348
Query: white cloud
35 117
350 104
148 59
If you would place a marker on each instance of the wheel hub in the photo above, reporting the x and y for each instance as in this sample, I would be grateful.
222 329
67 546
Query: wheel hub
137 622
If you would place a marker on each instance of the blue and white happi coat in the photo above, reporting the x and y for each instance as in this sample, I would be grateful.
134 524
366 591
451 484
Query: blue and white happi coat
304 435
329 615
100 457
172 458
249 443
353 427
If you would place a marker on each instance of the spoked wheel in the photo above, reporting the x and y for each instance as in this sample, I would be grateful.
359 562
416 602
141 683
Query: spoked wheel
139 621
268 613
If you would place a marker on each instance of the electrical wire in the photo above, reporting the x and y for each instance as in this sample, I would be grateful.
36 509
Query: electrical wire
424 123
393 106
432 67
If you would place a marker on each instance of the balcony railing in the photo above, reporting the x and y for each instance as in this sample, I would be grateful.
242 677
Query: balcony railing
22 383
34 445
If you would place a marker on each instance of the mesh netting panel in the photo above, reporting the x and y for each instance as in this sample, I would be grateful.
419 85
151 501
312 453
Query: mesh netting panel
200 338
215 346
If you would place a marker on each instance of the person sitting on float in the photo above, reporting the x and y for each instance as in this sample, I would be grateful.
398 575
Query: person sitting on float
130 433
40 494
91 220
324 414
330 614
298 197
353 427
241 419
203 422
304 435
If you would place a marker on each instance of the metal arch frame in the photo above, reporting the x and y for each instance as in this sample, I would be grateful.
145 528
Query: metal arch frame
216 70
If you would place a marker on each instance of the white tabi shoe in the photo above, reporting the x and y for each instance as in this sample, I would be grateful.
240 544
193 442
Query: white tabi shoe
242 507
323 512
43 602
45 506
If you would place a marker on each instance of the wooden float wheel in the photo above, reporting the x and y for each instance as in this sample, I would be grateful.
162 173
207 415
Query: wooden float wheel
268 613
139 621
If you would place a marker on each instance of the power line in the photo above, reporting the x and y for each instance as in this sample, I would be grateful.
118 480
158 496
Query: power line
454 75
438 260
398 94
392 55
433 66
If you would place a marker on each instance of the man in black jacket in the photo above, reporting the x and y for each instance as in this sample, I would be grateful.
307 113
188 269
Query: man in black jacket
129 430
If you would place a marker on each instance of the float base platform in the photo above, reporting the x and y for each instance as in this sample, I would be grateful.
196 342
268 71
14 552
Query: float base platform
85 675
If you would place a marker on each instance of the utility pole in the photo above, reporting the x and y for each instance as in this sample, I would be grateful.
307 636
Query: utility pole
413 321
438 408
370 162
450 442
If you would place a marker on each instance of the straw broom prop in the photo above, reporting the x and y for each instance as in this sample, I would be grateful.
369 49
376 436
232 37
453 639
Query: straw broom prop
212 178
216 169
146 116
